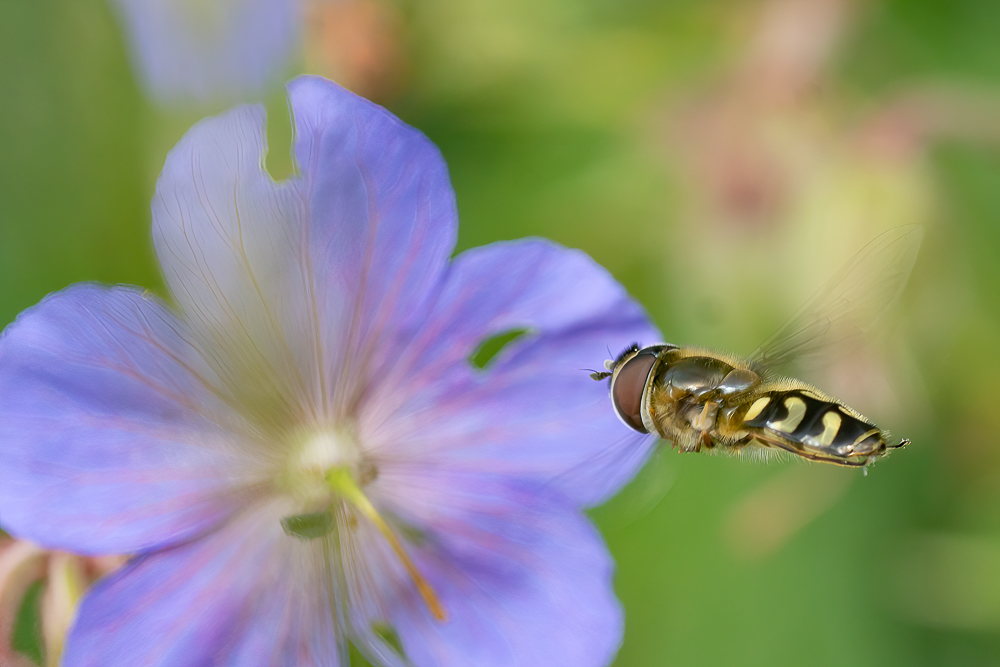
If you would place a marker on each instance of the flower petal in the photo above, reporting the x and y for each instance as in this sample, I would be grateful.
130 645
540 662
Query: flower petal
524 578
201 51
244 595
383 225
233 245
110 436
293 285
534 410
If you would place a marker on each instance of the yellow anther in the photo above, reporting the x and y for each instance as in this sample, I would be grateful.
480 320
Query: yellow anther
343 484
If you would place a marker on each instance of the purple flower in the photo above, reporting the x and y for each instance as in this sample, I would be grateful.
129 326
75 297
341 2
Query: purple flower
202 50
300 452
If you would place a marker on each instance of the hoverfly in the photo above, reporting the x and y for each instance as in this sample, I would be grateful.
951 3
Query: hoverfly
705 400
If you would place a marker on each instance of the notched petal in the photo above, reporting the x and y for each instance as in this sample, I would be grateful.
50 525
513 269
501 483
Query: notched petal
234 247
298 291
383 225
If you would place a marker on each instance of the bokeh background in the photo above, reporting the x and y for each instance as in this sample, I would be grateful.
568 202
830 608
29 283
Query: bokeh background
721 158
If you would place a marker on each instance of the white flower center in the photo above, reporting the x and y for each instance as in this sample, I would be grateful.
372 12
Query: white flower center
328 469
327 449
313 453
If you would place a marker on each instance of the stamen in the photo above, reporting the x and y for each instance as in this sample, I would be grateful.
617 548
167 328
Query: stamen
343 484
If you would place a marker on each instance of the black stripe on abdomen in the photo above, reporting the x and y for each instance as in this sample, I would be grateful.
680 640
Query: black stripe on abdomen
803 419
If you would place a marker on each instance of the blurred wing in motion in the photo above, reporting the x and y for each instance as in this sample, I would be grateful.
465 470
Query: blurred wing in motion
849 306
641 496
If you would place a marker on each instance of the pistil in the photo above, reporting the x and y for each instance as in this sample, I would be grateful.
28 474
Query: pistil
343 484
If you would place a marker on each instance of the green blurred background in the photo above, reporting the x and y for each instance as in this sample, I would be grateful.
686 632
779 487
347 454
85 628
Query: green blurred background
721 158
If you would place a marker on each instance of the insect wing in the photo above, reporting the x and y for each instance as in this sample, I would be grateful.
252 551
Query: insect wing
849 305
642 495
779 444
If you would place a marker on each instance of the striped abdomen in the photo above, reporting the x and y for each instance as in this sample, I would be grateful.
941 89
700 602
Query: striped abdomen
806 422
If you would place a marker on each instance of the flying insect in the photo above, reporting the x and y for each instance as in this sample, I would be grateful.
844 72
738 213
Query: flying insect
702 400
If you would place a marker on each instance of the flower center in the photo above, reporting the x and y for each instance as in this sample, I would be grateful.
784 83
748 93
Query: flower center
328 468
317 451
325 449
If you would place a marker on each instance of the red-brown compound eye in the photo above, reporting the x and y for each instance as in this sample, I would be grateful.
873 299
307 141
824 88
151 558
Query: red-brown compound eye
626 391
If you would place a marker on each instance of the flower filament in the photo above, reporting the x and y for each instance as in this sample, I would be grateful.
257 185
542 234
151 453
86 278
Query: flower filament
313 525
342 483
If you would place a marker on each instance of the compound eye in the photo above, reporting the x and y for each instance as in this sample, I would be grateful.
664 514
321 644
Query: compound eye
626 391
